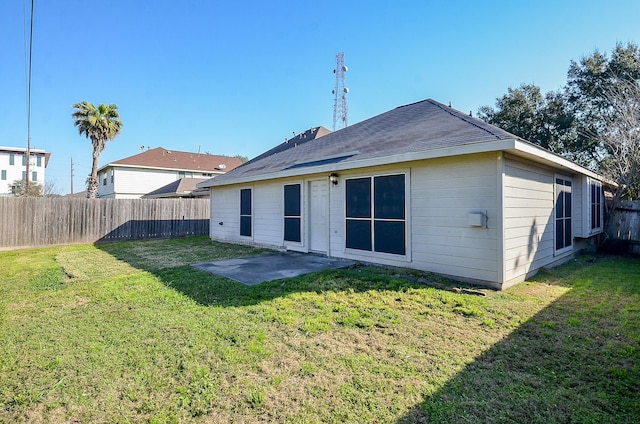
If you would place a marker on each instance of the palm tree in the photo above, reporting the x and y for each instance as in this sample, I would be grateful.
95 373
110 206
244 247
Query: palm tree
100 124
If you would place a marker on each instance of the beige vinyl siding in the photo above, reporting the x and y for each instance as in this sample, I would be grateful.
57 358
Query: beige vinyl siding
337 217
443 193
518 238
267 218
225 209
581 193
528 218
268 213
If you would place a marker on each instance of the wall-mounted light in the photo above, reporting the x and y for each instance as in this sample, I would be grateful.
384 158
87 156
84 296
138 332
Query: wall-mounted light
333 178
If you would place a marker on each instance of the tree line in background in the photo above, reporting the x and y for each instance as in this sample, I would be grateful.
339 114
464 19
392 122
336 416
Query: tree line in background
593 120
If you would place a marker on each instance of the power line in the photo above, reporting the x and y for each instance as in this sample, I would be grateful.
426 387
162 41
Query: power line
29 100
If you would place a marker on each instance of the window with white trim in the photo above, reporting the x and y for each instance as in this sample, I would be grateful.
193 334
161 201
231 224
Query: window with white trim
563 222
595 201
245 212
292 213
376 214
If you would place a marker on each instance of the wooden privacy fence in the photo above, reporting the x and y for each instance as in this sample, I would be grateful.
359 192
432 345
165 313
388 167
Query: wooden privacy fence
625 225
31 222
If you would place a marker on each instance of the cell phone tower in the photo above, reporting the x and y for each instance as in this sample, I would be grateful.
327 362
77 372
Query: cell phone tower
340 109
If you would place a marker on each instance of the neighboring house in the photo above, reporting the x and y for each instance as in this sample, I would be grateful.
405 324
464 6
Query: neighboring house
13 166
184 187
141 174
422 186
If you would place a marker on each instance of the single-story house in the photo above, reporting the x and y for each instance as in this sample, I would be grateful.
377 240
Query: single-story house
143 173
422 186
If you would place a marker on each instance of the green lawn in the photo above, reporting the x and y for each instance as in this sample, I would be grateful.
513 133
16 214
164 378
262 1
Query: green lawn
128 332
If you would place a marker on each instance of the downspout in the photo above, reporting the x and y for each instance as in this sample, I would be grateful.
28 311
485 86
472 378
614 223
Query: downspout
500 219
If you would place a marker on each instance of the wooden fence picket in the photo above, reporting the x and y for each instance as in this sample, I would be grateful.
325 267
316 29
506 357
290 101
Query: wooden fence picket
32 222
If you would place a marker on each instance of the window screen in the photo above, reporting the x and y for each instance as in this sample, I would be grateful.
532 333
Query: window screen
359 234
596 205
564 234
389 197
359 198
245 212
375 214
292 213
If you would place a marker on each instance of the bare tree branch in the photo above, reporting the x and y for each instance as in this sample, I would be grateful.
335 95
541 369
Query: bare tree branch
620 138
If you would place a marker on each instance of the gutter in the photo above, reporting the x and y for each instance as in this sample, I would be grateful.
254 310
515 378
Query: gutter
512 145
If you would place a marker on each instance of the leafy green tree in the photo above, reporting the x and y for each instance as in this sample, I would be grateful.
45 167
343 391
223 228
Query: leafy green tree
99 124
574 121
590 82
542 120
19 189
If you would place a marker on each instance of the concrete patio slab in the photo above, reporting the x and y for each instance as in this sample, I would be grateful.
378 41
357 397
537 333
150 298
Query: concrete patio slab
257 269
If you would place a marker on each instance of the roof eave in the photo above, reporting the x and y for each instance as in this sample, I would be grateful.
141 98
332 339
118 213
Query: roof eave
369 162
515 145
538 154
159 168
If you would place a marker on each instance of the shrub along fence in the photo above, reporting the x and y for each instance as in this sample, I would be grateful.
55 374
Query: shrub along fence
32 222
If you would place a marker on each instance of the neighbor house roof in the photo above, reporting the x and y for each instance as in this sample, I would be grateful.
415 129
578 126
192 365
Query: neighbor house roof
422 130
161 158
184 187
22 150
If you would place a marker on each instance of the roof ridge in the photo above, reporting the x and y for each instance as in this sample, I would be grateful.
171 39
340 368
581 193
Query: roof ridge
413 103
462 117
185 152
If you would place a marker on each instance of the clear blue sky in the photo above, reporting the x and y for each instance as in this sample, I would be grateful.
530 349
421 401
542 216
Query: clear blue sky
238 77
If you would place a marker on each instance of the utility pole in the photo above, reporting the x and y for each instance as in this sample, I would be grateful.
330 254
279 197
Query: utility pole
27 176
71 175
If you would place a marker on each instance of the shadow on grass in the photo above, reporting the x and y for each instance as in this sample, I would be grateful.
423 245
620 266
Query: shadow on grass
576 361
168 261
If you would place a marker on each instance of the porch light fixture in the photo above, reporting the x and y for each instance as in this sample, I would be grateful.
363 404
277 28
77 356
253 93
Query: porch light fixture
333 178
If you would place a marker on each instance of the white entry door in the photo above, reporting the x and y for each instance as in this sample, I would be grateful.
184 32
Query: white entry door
319 216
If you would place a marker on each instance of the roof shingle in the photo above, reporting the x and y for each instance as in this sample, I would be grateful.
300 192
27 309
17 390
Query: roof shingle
421 126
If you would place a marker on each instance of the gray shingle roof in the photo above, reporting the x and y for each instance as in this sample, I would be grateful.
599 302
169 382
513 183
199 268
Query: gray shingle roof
416 127
295 141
